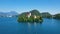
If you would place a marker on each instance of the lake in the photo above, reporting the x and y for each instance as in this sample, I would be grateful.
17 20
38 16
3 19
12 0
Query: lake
11 26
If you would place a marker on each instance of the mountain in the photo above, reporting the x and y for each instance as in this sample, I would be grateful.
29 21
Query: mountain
12 13
36 12
46 15
33 12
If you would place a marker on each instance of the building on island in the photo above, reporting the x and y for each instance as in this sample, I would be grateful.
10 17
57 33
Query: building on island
35 16
28 14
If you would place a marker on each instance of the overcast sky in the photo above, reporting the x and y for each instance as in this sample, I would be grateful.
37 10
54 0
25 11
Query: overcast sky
51 6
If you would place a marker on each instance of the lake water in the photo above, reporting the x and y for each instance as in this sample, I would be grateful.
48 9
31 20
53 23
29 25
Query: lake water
11 26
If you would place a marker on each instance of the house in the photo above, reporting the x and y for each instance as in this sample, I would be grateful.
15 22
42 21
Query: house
28 14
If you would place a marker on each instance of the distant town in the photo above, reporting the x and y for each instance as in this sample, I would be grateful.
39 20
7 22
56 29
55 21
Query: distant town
8 14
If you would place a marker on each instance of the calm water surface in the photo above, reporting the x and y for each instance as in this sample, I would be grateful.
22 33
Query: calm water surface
11 26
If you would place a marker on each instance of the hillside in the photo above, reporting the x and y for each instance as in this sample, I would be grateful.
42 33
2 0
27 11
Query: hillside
46 15
57 16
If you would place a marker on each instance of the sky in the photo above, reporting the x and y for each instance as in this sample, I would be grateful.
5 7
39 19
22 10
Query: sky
51 6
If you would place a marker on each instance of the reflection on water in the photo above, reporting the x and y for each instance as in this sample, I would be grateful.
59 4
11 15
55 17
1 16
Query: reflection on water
35 24
11 26
48 26
29 24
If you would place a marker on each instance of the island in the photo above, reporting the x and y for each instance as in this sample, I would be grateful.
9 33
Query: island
31 16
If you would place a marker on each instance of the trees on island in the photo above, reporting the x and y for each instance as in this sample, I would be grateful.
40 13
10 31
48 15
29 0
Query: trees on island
35 16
